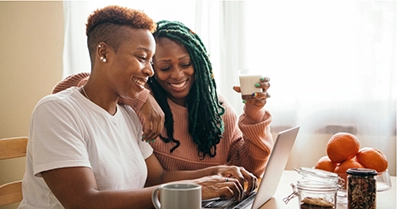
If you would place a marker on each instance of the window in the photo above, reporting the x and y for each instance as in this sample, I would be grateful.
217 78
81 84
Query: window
332 64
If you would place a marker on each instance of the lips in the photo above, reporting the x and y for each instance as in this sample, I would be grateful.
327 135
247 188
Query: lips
140 82
178 85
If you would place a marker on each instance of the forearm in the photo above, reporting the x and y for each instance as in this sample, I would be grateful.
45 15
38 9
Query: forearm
255 144
76 187
140 199
186 175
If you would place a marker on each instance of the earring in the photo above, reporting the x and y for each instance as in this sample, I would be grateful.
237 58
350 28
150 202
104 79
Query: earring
99 46
103 59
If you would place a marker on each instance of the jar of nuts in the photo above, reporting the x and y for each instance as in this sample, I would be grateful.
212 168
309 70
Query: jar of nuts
361 188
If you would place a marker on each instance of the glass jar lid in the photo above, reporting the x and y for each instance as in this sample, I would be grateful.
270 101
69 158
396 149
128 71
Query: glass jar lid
317 174
361 172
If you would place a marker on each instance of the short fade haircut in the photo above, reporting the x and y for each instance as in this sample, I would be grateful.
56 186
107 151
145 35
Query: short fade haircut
109 25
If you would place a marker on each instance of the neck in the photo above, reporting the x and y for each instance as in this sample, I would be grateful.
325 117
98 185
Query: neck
84 92
103 102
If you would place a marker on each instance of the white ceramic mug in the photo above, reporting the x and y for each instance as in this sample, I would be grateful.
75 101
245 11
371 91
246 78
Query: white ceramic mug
248 79
177 196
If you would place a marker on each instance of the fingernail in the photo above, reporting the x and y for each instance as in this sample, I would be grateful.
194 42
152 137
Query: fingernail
257 85
255 94
150 140
262 79
244 101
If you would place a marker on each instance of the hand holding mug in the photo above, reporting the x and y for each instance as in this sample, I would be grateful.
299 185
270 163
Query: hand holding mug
253 88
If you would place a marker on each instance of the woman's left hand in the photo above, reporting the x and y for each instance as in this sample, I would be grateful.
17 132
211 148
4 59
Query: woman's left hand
258 98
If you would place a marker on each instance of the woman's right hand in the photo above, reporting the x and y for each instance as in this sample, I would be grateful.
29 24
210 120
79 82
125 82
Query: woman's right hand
217 186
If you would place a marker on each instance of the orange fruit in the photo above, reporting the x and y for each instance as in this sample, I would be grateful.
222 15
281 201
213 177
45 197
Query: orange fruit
342 146
372 158
324 163
341 168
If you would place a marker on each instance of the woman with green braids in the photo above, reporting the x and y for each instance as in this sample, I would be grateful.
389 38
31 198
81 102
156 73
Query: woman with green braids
201 129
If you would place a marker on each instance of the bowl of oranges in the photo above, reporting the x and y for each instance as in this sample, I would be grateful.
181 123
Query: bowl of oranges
344 152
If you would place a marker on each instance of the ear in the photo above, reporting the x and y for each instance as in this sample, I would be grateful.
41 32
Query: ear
102 51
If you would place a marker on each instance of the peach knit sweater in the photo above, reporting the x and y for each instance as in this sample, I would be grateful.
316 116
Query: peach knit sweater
246 141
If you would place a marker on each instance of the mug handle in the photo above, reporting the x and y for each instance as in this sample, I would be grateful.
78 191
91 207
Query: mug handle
155 198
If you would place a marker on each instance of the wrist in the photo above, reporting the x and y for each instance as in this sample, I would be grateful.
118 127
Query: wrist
214 170
253 112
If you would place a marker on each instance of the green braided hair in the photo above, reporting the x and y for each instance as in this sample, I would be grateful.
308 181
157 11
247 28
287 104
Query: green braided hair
205 122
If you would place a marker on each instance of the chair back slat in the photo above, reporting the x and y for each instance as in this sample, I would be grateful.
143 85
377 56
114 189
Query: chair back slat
14 147
10 193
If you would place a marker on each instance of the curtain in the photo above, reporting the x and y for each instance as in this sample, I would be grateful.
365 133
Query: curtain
332 64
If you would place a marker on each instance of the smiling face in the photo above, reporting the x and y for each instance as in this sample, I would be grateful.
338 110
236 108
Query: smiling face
130 65
173 69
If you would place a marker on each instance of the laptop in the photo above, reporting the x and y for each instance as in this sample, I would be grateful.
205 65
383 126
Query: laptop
270 179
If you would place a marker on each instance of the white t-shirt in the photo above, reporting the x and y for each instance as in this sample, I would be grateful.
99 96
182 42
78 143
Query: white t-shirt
68 130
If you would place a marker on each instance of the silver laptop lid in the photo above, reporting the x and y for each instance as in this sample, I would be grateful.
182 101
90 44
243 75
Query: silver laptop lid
275 166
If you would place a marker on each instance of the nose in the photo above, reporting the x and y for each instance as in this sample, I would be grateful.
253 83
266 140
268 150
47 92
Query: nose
177 73
148 69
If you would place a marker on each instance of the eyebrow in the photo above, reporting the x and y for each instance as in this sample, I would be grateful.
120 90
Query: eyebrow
144 49
169 60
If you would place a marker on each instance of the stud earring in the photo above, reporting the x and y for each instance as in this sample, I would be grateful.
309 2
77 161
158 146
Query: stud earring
99 46
103 59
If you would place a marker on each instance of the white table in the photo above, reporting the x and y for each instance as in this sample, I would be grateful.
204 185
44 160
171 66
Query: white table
384 200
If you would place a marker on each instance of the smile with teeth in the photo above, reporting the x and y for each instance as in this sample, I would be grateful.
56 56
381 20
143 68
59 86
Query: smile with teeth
178 85
139 82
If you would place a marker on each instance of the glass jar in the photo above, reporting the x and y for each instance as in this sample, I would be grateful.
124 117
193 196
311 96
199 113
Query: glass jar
361 188
316 189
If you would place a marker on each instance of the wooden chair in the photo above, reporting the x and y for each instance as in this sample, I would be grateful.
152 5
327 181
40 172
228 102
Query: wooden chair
14 147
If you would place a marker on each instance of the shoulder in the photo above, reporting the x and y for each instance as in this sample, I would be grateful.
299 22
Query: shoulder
229 110
223 101
67 101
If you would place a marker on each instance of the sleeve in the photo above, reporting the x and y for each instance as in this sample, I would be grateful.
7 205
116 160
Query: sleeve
146 149
251 142
78 80
138 102
54 132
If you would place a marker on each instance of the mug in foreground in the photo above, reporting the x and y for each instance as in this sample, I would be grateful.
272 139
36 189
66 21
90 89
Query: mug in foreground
177 196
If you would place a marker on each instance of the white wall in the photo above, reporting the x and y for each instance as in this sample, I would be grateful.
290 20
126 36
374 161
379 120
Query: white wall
31 41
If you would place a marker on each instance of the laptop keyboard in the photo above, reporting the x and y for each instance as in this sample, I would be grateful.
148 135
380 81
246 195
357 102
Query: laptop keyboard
230 203
247 202
220 203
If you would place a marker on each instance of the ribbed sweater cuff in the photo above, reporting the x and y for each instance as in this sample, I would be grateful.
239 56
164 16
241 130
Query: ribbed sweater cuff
254 114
